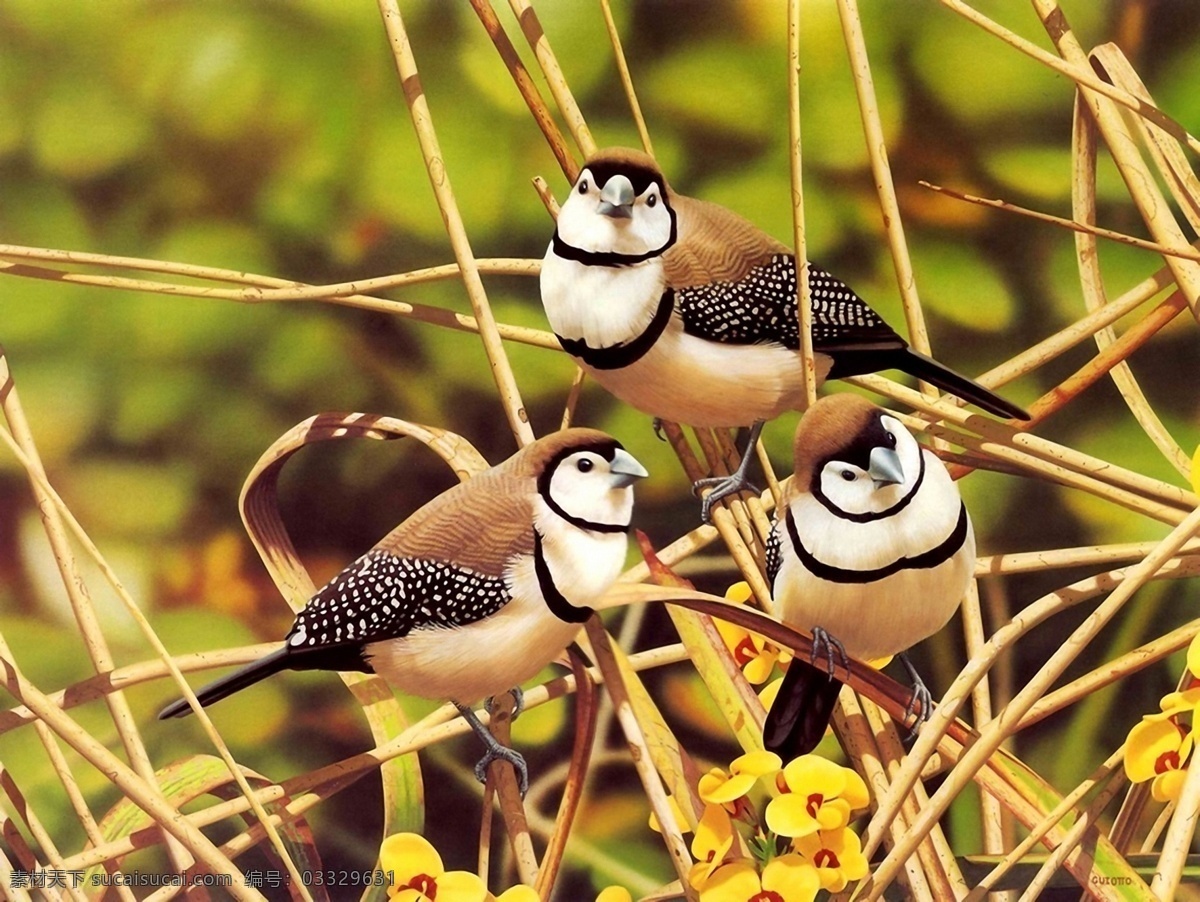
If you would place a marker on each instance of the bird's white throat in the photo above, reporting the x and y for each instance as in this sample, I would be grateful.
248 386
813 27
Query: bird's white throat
603 305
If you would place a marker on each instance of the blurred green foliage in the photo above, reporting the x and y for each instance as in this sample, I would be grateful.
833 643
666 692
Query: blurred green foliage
272 137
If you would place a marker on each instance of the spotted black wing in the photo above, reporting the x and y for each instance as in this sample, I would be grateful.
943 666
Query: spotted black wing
385 596
773 560
761 307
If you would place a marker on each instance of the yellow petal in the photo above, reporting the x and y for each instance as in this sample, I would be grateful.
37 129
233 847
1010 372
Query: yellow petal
523 893
1167 787
680 820
714 834
614 894
1175 703
733 788
1149 748
769 692
739 593
711 781
756 763
855 792
880 663
408 895
1193 654
461 886
788 816
407 855
758 670
813 774
791 877
834 814
733 882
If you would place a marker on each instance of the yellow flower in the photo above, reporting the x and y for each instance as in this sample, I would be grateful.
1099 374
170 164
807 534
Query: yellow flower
754 654
744 771
836 854
419 876
788 878
817 795
1157 749
710 845
614 894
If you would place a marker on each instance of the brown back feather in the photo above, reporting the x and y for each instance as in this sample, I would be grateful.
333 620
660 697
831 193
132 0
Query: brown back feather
826 428
715 244
483 522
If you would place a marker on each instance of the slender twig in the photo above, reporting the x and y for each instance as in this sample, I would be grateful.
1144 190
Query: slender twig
635 108
1184 252
439 178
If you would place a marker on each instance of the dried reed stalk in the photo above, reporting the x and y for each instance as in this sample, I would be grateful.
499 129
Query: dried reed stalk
803 289
418 107
531 27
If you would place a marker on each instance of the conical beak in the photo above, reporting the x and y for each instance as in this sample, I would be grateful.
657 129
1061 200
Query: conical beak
616 198
885 468
625 469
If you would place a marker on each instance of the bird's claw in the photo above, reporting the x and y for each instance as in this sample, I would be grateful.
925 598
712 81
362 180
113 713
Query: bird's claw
920 703
919 707
722 487
498 752
829 647
518 697
657 423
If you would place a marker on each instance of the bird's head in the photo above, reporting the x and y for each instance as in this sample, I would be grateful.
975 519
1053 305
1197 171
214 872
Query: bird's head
620 203
586 477
854 457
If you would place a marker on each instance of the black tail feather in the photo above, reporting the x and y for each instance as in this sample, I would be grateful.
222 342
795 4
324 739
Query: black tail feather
227 685
801 711
917 364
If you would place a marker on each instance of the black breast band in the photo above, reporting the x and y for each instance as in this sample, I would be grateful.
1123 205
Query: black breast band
931 558
555 600
622 354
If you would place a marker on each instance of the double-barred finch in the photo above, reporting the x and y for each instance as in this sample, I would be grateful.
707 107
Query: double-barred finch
871 552
479 589
688 312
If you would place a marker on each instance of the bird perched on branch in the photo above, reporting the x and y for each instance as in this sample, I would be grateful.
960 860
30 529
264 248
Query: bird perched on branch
688 312
871 552
476 591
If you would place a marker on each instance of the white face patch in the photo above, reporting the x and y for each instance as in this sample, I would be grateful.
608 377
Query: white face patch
583 226
584 486
851 489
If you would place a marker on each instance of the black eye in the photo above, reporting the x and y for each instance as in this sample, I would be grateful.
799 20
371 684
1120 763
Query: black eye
848 475
585 465
583 187
651 200
891 438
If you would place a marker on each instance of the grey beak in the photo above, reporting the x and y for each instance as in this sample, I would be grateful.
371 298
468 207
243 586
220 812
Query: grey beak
616 198
625 469
885 467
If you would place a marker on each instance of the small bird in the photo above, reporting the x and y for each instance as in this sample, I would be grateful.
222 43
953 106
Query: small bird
871 551
479 589
688 312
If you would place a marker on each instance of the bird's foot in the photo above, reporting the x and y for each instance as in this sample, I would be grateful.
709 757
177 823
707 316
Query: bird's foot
828 647
737 481
495 751
722 487
920 703
498 752
518 697
657 423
